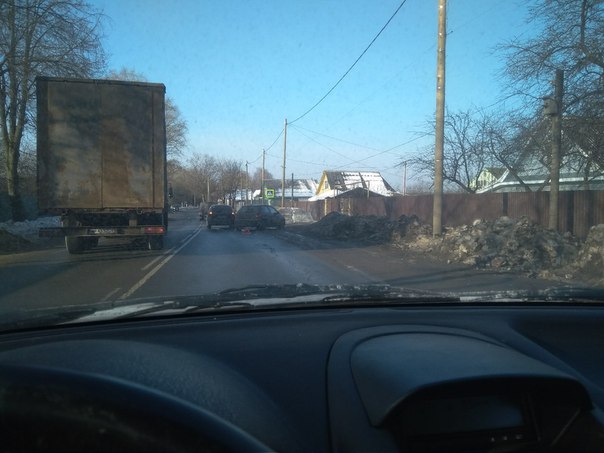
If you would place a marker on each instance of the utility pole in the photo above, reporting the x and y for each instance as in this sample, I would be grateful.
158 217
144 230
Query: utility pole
247 183
554 187
284 156
404 178
292 190
262 177
437 209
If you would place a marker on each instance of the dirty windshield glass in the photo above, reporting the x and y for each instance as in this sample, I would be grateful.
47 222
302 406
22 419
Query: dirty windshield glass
159 150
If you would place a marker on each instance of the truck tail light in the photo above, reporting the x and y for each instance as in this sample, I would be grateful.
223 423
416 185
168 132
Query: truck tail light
155 230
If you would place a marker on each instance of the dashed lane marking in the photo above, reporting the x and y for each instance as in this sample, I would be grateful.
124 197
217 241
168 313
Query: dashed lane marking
170 254
110 295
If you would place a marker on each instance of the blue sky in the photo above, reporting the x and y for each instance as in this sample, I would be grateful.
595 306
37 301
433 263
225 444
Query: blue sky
238 68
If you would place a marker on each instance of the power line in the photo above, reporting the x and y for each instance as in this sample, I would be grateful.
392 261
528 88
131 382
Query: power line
256 159
324 146
353 65
273 144
335 138
385 151
298 160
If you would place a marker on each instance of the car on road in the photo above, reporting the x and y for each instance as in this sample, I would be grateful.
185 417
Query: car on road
259 217
220 215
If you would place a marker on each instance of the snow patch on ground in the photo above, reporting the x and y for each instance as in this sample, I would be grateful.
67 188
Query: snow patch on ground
28 229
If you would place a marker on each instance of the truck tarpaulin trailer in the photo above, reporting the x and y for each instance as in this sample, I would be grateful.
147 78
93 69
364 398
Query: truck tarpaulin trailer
101 151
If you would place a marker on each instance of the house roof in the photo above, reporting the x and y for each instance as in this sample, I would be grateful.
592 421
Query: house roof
342 181
495 171
303 188
533 167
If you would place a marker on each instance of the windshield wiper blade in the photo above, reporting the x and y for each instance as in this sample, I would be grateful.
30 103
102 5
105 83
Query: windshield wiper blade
574 294
293 295
554 294
271 296
43 317
389 294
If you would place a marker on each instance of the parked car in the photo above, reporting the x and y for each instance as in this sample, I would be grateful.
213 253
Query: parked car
220 215
259 217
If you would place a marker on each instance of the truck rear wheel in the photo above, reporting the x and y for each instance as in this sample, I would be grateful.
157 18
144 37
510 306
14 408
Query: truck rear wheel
155 242
75 244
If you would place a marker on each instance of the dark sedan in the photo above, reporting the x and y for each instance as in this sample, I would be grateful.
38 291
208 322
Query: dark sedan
220 215
259 217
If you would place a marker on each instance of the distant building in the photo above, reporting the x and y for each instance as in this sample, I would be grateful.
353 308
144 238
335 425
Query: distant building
303 189
579 170
487 177
352 183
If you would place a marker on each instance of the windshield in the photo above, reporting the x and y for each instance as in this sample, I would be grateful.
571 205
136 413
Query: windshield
445 147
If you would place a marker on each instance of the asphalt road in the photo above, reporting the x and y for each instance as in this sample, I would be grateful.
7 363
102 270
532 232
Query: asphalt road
196 261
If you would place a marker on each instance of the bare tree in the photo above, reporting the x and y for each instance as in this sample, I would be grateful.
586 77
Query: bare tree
176 125
202 177
466 152
510 137
39 37
176 130
230 178
177 181
256 178
571 39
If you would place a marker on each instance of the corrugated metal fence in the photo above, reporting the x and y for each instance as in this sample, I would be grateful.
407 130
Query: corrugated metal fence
578 210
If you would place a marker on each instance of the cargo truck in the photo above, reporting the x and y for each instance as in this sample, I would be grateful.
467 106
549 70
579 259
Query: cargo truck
101 154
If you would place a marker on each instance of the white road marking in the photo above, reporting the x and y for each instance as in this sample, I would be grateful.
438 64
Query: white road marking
108 296
156 259
153 271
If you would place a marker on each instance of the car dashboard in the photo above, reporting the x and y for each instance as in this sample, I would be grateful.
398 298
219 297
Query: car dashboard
345 379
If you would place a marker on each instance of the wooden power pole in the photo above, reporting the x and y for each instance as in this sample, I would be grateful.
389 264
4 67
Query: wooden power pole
262 177
440 120
554 186
284 157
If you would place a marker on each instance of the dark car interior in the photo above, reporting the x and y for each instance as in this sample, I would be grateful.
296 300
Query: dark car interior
340 379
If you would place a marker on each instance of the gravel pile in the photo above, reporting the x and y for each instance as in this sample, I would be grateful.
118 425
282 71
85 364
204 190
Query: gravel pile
11 243
505 244
368 229
590 259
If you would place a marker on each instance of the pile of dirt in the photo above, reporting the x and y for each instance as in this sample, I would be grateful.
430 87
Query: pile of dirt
10 243
504 244
366 229
589 263
23 236
514 245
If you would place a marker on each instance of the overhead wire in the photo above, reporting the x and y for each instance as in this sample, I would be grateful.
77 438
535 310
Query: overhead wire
385 151
256 159
323 145
334 138
273 144
341 78
351 67
339 81
297 160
